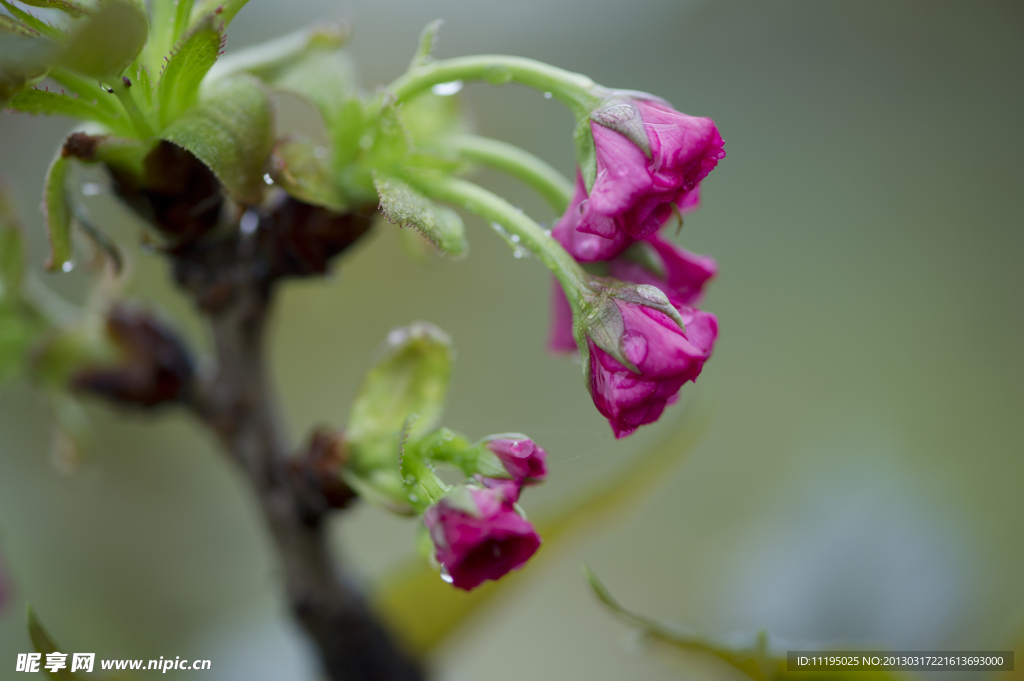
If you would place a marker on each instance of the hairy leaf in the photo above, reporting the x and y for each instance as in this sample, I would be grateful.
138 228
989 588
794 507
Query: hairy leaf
75 9
267 61
48 103
104 44
25 57
403 394
428 40
12 248
88 90
186 67
43 643
425 611
231 131
227 9
299 168
37 25
57 216
404 206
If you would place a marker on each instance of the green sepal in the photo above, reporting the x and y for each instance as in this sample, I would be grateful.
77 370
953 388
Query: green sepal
188 64
622 115
46 103
104 44
586 153
404 206
297 168
57 215
43 643
401 396
230 130
428 41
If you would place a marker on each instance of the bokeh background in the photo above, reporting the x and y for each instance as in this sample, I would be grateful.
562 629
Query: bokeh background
861 475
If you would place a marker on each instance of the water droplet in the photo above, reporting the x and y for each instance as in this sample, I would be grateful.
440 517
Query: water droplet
92 188
548 95
515 238
447 89
67 266
547 232
446 576
498 75
249 223
267 178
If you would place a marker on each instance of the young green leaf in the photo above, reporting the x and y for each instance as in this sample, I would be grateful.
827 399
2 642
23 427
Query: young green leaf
428 40
43 643
105 43
227 9
188 64
404 206
231 131
48 103
267 61
403 394
298 168
25 57
57 216
74 9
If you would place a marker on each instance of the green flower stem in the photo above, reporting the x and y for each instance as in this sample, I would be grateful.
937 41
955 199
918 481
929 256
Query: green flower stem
493 208
538 175
139 122
575 90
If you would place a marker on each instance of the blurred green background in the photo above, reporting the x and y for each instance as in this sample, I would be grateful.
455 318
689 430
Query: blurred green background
860 479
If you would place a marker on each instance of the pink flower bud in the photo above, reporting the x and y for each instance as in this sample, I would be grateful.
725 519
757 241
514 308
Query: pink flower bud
524 461
478 534
588 245
665 355
634 193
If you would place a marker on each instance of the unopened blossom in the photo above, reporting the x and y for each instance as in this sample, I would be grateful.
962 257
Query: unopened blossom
588 245
525 461
479 534
634 193
664 356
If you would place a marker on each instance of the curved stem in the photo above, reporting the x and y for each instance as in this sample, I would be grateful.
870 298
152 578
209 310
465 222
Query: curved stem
124 95
493 208
576 91
538 175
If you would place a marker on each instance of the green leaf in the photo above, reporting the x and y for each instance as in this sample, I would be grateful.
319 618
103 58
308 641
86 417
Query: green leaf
37 25
48 103
188 64
428 40
404 206
12 248
162 35
88 90
402 395
231 131
328 81
226 10
43 643
425 611
103 45
25 57
267 61
298 169
57 216
74 9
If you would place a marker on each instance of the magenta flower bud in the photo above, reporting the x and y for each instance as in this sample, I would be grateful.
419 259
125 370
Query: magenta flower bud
664 357
588 245
525 461
478 534
648 157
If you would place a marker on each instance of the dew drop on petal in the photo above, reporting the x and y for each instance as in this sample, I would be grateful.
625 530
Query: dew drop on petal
446 576
634 347
267 178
